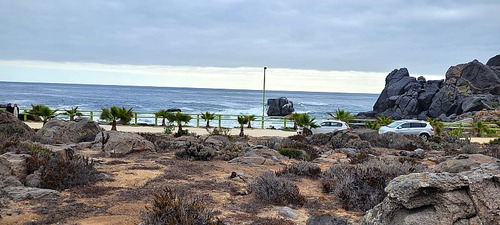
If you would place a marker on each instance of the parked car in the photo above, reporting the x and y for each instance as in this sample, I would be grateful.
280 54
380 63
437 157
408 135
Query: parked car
415 127
326 126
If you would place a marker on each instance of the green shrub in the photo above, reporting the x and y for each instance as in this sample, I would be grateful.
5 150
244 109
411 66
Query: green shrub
372 125
311 152
170 207
293 153
276 190
495 141
361 186
305 169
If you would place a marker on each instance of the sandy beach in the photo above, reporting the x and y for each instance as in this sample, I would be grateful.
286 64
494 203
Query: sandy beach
253 132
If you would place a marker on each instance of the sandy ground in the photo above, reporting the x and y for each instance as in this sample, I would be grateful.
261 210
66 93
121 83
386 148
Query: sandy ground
253 132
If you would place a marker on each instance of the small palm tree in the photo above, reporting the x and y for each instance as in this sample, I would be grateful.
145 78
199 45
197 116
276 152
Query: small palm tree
372 125
306 122
207 116
383 120
481 128
42 111
293 117
72 113
250 119
179 118
115 113
242 120
342 115
437 125
162 114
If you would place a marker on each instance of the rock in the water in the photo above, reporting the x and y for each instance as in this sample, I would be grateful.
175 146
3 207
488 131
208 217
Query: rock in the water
119 143
65 132
471 197
288 212
326 219
21 193
12 129
279 107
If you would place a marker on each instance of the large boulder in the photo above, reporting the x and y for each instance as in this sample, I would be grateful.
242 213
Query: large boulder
12 129
279 107
395 83
469 197
14 164
474 78
64 132
494 61
118 143
464 162
21 193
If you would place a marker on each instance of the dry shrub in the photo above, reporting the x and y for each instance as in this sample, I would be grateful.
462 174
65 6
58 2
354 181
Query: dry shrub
231 151
58 173
361 186
305 169
308 149
293 153
272 221
360 158
196 151
297 137
276 190
394 140
170 207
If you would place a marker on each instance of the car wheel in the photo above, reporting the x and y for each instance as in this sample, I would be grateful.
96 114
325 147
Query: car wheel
309 133
424 137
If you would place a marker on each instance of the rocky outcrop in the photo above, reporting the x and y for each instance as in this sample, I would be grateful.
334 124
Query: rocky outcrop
467 88
118 143
469 197
326 219
12 129
279 107
64 132
258 155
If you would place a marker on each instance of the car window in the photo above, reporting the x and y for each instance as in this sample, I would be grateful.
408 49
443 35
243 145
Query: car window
335 124
417 125
405 125
325 124
394 124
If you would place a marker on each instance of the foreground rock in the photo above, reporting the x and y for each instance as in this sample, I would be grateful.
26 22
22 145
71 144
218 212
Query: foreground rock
279 107
65 132
470 197
326 219
12 129
467 88
119 143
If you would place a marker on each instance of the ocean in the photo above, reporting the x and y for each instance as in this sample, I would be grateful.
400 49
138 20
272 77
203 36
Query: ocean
189 100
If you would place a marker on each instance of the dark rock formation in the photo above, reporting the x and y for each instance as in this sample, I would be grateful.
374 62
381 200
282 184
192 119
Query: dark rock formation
279 107
467 88
59 131
469 197
12 129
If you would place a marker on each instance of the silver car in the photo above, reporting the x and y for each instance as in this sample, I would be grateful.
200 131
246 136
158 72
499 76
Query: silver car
416 127
327 126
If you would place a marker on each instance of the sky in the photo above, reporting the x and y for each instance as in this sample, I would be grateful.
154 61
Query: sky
330 46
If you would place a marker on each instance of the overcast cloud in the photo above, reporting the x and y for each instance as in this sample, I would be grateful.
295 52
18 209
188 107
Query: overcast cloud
371 36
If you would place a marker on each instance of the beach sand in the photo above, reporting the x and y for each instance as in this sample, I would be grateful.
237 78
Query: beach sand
253 132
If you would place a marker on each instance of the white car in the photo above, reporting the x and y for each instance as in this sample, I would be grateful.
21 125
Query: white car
416 127
326 126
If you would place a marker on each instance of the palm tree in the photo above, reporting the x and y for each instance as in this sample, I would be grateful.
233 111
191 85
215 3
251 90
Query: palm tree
437 125
162 114
242 120
72 113
179 118
372 125
250 119
293 117
306 122
42 111
480 128
207 116
115 113
383 120
342 115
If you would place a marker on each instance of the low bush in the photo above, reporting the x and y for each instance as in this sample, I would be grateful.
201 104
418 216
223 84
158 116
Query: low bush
219 131
360 158
272 221
308 149
294 153
58 173
196 151
276 190
305 169
297 137
495 141
170 207
231 151
361 186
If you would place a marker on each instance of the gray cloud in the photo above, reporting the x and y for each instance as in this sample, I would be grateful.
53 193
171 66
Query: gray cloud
425 36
